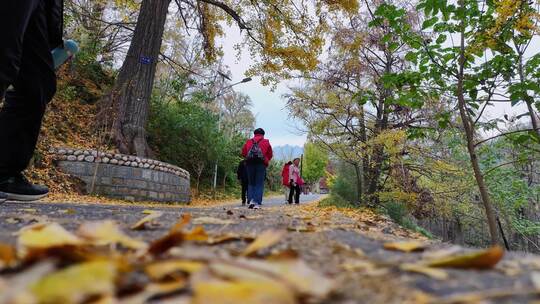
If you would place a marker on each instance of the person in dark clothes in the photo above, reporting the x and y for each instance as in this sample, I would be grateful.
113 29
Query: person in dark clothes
258 153
242 175
30 30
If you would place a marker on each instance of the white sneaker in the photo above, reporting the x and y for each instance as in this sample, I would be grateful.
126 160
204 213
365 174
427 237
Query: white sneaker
257 207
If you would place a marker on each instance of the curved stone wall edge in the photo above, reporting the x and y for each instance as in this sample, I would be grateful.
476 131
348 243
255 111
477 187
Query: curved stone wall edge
125 177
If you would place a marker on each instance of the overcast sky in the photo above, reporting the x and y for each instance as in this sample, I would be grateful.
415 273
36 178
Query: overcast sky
268 107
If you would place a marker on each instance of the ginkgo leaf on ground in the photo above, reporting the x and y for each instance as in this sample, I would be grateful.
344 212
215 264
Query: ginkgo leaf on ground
308 227
295 273
43 236
408 246
228 237
159 270
107 232
212 220
196 234
147 219
239 272
182 222
287 254
224 292
434 273
76 283
176 237
7 255
266 239
483 259
166 242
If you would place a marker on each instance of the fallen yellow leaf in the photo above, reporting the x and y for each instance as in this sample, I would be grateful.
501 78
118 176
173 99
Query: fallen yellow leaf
287 254
147 219
222 292
484 259
76 283
68 211
293 273
428 271
264 240
359 266
159 270
106 233
212 220
166 242
408 246
43 236
196 234
182 222
302 228
7 255
240 272
219 239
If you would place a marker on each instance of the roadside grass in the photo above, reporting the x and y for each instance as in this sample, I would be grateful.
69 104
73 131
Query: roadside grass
396 211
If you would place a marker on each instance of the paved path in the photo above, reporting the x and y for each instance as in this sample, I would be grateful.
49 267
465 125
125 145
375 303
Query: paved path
338 240
280 200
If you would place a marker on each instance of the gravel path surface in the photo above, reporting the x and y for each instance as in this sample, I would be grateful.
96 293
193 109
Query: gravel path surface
338 240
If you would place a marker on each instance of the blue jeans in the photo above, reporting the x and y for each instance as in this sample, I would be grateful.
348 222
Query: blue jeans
256 175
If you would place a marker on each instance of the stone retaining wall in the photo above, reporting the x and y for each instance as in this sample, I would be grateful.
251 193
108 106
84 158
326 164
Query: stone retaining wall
126 177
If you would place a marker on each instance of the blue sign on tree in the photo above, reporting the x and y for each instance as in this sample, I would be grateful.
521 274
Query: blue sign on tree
146 60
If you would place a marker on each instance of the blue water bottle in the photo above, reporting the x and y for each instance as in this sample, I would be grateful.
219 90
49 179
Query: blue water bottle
63 53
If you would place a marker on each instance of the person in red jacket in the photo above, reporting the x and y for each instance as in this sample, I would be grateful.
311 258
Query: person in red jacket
258 152
285 180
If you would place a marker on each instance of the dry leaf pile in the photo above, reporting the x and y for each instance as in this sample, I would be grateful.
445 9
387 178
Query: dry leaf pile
365 220
99 263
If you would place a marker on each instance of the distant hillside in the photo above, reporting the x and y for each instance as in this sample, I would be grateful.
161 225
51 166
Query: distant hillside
287 152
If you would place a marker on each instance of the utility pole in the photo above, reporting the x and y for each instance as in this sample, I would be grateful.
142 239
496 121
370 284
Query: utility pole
219 96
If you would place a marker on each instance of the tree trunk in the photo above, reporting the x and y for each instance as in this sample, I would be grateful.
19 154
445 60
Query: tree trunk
469 137
126 107
224 180
359 186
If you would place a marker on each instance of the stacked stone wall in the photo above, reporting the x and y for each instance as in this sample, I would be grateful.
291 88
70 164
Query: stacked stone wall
125 177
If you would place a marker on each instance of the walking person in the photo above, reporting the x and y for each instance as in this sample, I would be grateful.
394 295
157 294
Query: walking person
242 175
258 152
285 180
30 30
295 181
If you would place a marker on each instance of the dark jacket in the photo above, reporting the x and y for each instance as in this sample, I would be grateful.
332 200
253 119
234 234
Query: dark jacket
55 21
241 172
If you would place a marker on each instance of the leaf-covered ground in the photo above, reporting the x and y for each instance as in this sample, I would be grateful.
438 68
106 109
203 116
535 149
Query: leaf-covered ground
77 253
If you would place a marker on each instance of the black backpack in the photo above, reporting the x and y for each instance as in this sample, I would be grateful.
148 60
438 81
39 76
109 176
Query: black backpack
255 153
